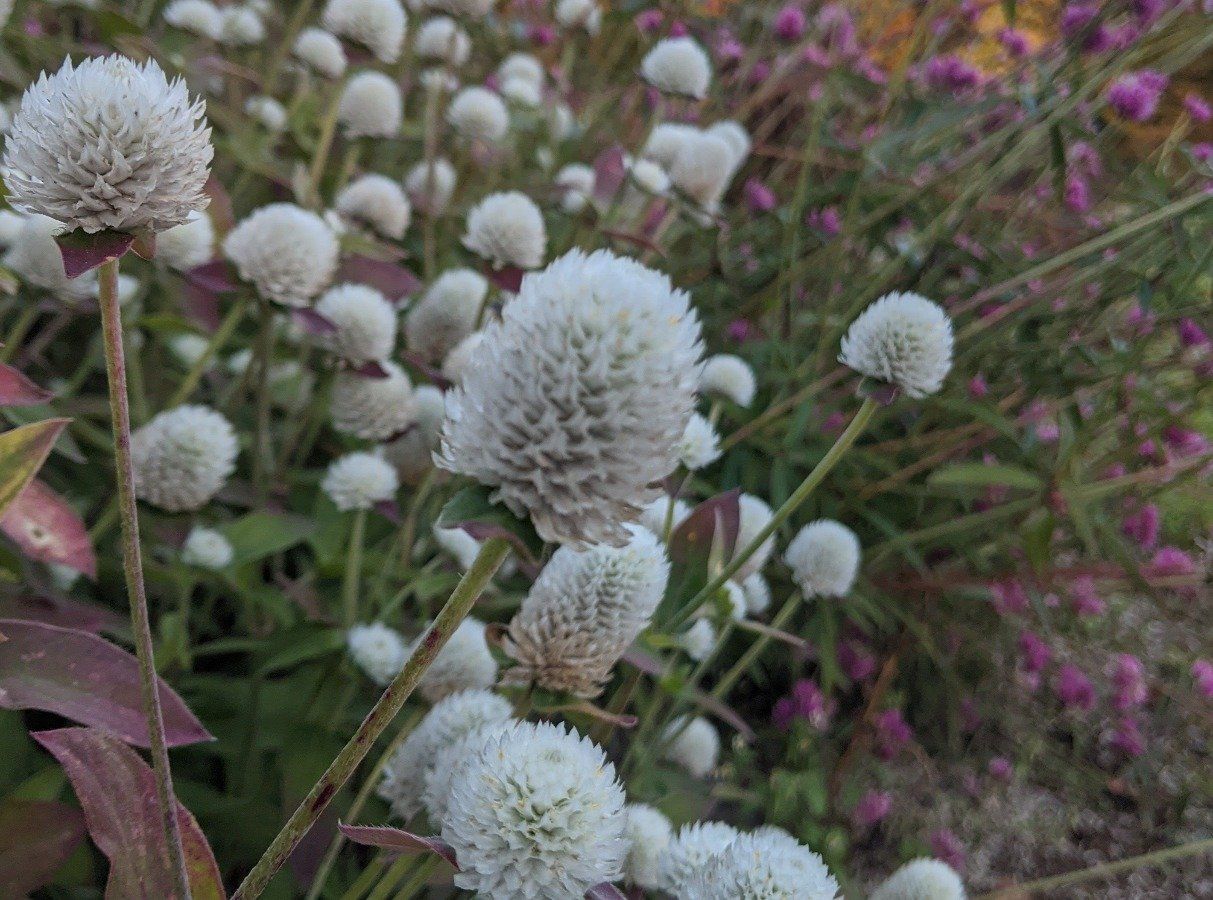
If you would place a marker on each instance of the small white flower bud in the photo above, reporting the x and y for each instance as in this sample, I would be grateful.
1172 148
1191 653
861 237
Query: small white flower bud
190 244
365 321
377 201
824 558
321 51
371 106
207 548
728 376
182 457
377 650
359 481
678 66
478 114
507 229
693 745
288 253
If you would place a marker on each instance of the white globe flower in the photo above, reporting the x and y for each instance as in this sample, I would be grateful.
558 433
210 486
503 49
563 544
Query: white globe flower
36 258
689 851
702 170
359 481
365 323
377 201
576 184
320 51
185 246
658 512
448 768
464 663
377 650
754 514
648 833
736 137
442 39
450 719
11 224
678 66
700 444
693 745
536 814
201 17
376 24
579 14
446 313
288 253
207 548
757 594
613 345
507 229
521 65
478 114
459 544
182 457
768 864
240 26
108 144
430 186
373 409
268 111
666 141
412 453
583 612
648 176
824 558
698 640
188 347
901 339
522 92
730 377
371 106
459 360
921 879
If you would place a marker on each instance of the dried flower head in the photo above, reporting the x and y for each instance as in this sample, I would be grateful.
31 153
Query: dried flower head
287 253
901 339
507 229
463 663
371 408
678 66
442 39
728 376
691 848
190 244
321 51
693 744
478 114
430 186
377 201
767 864
648 833
921 879
371 106
376 24
824 558
207 548
377 650
446 313
182 457
365 323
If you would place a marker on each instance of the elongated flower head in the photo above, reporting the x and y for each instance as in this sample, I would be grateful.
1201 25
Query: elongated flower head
666 141
182 457
412 453
678 66
377 201
700 444
377 650
507 229
767 864
478 114
753 515
576 399
584 610
109 144
537 814
371 106
462 664
921 879
824 558
376 24
901 339
201 17
373 409
446 313
693 745
441 38
430 186
359 481
288 253
207 548
321 51
648 833
365 323
690 850
190 244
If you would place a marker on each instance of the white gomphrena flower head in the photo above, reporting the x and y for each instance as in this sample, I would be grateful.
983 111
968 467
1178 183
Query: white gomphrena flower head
365 323
377 201
689 851
522 92
182 457
460 358
700 444
616 346
734 134
678 66
372 408
36 258
754 514
11 224
767 864
734 601
576 184
413 452
449 767
648 833
507 229
377 650
188 347
359 481
240 26
478 115
901 339
459 544
702 170
921 879
449 720
446 313
286 252
536 814
200 17
268 111
657 512
464 663
371 106
430 186
442 39
666 140
108 144
376 24
521 65
757 594
190 244
320 51
583 611
824 558
698 640
649 176
468 9
579 14
692 744
728 376
207 548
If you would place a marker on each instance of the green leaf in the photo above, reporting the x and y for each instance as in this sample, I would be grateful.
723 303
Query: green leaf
260 534
471 510
22 452
980 475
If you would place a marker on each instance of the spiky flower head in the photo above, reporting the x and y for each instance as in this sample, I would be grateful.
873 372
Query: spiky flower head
365 322
728 376
441 38
678 66
700 444
371 106
690 850
450 719
702 169
536 814
463 663
377 650
372 408
921 879
430 185
376 24
448 768
201 17
901 339
767 864
109 144
824 558
446 313
648 833
190 244
321 51
693 744
288 253
478 114
182 457
753 515
377 201
359 481
507 229
413 452
576 399
207 548
583 611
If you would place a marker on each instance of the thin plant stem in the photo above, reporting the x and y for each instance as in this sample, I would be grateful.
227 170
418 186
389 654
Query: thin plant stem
15 338
324 144
264 360
417 880
221 336
396 873
492 554
722 687
367 878
132 566
353 569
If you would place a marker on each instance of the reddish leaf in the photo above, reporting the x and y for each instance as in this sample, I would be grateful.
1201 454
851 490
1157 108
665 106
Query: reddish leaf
117 791
22 452
17 390
372 369
393 281
144 245
435 376
85 252
47 529
508 278
390 510
215 276
694 536
36 838
201 306
609 173
605 891
51 609
398 840
220 209
312 322
87 679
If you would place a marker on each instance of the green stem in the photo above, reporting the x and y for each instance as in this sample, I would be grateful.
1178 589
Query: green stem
218 339
324 144
492 553
132 566
353 568
264 361
15 338
755 649
396 872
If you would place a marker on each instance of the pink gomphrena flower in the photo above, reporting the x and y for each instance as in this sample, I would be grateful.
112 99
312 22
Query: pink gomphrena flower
542 35
816 55
789 23
1143 526
1015 42
826 220
1127 737
893 733
1076 17
856 660
866 67
1009 596
1073 688
649 21
726 47
872 807
740 330
950 72
1077 193
978 387
1170 562
1035 652
1185 442
1085 597
1197 108
812 705
1000 767
1149 10
1202 675
838 30
834 423
1203 152
1191 334
760 72
945 845
1128 677
758 197
679 29
1135 95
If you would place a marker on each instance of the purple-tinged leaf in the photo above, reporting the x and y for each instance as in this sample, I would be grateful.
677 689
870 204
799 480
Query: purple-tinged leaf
17 390
47 529
714 521
85 252
371 369
215 276
605 891
36 838
144 245
313 322
609 173
435 375
392 280
22 453
117 792
472 511
201 306
52 609
390 510
86 679
507 278
654 668
400 841
220 209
